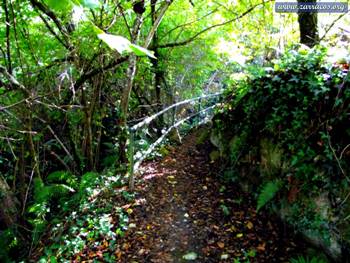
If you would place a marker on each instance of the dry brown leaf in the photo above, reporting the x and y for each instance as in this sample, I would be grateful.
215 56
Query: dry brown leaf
250 225
261 247
220 245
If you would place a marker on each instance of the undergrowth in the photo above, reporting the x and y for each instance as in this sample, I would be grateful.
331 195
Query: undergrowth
70 214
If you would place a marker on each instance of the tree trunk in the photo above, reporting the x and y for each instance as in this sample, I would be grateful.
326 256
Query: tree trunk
124 101
131 72
157 70
308 27
8 209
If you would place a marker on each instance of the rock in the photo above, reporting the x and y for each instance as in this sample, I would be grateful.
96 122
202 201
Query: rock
331 246
271 157
217 140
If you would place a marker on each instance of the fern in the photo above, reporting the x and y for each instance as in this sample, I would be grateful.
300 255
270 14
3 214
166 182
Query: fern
63 177
58 190
268 192
39 192
58 176
44 193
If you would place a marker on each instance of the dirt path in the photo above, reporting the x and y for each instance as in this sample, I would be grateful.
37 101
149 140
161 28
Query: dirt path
184 212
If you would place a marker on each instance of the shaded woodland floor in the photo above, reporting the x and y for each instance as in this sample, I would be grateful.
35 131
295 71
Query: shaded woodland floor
182 213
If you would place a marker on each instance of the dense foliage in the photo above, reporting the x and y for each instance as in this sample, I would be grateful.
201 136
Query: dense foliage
289 136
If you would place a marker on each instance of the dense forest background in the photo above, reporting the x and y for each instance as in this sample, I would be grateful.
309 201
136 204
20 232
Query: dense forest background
75 74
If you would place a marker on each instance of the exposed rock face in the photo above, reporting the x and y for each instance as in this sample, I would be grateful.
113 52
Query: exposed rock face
271 163
270 157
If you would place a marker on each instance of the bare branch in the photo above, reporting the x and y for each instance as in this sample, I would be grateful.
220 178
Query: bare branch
151 118
331 25
60 142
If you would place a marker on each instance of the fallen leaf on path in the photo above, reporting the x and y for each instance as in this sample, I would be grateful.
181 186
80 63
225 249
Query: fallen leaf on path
261 247
190 256
239 235
250 225
220 245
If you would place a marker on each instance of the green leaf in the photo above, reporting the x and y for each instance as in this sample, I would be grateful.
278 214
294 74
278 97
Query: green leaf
119 43
190 256
90 3
61 5
140 51
2 90
123 45
53 259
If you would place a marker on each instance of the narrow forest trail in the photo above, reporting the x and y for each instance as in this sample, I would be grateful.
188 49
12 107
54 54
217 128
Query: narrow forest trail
181 212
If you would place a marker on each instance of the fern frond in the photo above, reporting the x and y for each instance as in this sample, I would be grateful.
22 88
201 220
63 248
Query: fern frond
58 190
39 192
268 192
44 193
64 177
58 176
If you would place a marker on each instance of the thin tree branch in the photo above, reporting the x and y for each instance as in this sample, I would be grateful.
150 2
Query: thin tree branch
187 41
53 32
90 74
8 42
60 142
43 8
331 25
157 23
189 23
343 151
124 18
